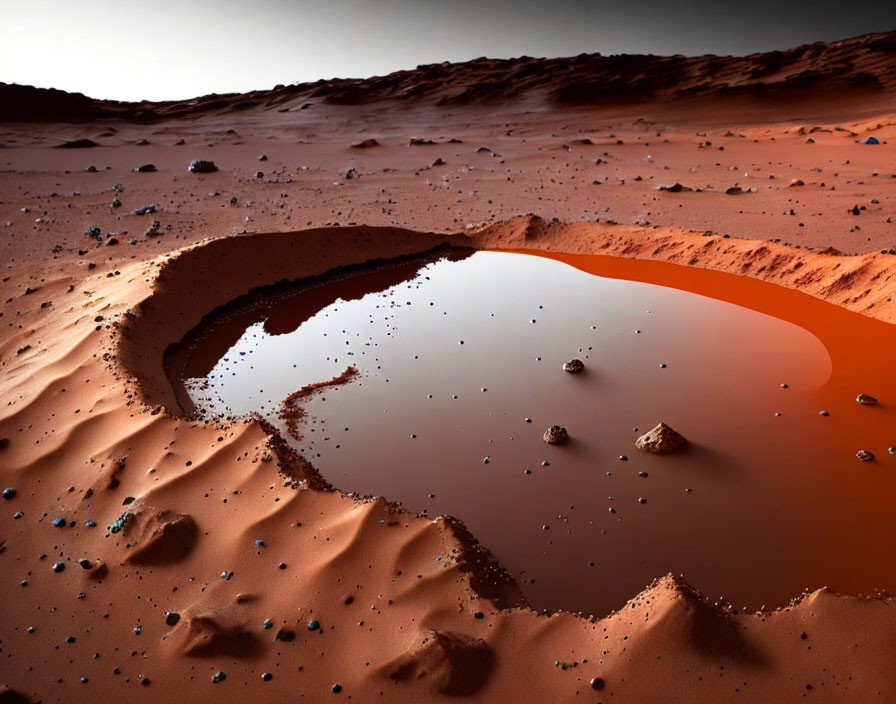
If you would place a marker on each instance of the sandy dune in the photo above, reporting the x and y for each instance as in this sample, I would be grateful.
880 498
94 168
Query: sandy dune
175 586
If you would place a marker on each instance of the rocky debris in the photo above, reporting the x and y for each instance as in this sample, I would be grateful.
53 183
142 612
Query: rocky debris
91 169
674 188
115 203
351 173
574 366
153 229
365 144
866 400
737 190
144 210
9 493
865 456
438 162
556 435
262 157
796 182
660 440
202 166
94 232
146 168
418 141
450 663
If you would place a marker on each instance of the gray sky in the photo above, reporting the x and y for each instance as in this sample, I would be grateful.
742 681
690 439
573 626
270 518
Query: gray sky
169 49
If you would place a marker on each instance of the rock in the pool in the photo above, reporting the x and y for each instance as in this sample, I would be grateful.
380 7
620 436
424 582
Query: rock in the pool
574 366
660 440
555 435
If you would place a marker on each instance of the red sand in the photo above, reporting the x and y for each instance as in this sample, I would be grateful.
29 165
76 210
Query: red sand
86 425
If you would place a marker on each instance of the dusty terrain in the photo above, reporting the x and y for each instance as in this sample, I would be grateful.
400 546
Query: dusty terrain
91 431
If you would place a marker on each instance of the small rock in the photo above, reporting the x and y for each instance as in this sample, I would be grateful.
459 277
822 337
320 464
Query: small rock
574 366
866 400
9 493
865 456
202 166
555 435
660 440
146 168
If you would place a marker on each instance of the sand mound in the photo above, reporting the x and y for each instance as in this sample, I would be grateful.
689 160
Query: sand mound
155 536
450 663
77 144
206 630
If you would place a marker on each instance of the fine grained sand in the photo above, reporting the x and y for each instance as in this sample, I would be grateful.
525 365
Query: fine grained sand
90 428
